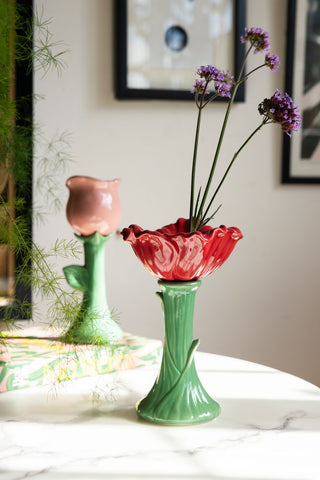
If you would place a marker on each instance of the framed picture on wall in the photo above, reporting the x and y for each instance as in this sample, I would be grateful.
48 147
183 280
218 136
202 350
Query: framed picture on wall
301 152
160 45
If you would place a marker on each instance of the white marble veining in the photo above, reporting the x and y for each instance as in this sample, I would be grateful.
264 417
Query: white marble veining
269 429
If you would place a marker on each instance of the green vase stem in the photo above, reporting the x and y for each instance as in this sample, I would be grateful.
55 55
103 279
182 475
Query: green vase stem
94 324
177 396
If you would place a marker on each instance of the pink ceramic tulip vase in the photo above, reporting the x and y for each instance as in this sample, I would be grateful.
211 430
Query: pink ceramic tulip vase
93 210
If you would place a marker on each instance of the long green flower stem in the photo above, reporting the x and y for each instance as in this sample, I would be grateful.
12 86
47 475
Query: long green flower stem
201 105
194 162
195 218
264 122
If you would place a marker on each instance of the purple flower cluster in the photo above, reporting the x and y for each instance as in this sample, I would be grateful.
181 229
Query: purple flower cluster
281 109
272 61
223 88
257 37
223 81
277 109
209 73
200 86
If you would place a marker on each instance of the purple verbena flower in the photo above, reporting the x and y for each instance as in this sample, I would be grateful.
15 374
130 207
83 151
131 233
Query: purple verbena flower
257 37
272 61
281 109
200 86
223 88
223 81
209 73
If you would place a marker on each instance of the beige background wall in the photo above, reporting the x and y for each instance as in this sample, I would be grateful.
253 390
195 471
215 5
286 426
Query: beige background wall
263 305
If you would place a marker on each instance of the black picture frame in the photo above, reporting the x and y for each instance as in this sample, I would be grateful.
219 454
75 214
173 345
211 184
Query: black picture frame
301 152
124 92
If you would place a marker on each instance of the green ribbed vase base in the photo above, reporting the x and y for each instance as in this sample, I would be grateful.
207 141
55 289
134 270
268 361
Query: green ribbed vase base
204 411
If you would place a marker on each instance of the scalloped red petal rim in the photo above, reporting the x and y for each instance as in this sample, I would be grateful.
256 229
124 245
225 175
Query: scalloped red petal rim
180 228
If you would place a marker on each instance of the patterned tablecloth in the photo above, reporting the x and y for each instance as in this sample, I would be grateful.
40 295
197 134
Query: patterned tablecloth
35 356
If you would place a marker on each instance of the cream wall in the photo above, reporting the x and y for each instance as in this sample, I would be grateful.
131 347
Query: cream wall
263 305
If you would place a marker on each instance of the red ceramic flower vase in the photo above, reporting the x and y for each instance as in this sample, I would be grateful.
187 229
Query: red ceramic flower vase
173 253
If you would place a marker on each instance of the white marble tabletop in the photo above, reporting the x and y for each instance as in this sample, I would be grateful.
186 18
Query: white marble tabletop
269 429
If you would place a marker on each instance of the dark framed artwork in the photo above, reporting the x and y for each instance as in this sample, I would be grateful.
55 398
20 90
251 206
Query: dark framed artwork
160 45
301 152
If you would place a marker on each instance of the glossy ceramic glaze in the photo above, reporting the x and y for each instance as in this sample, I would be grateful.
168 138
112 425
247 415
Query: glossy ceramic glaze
93 205
172 253
94 324
177 396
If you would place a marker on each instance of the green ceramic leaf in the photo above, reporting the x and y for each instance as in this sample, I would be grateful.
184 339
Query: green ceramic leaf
77 276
